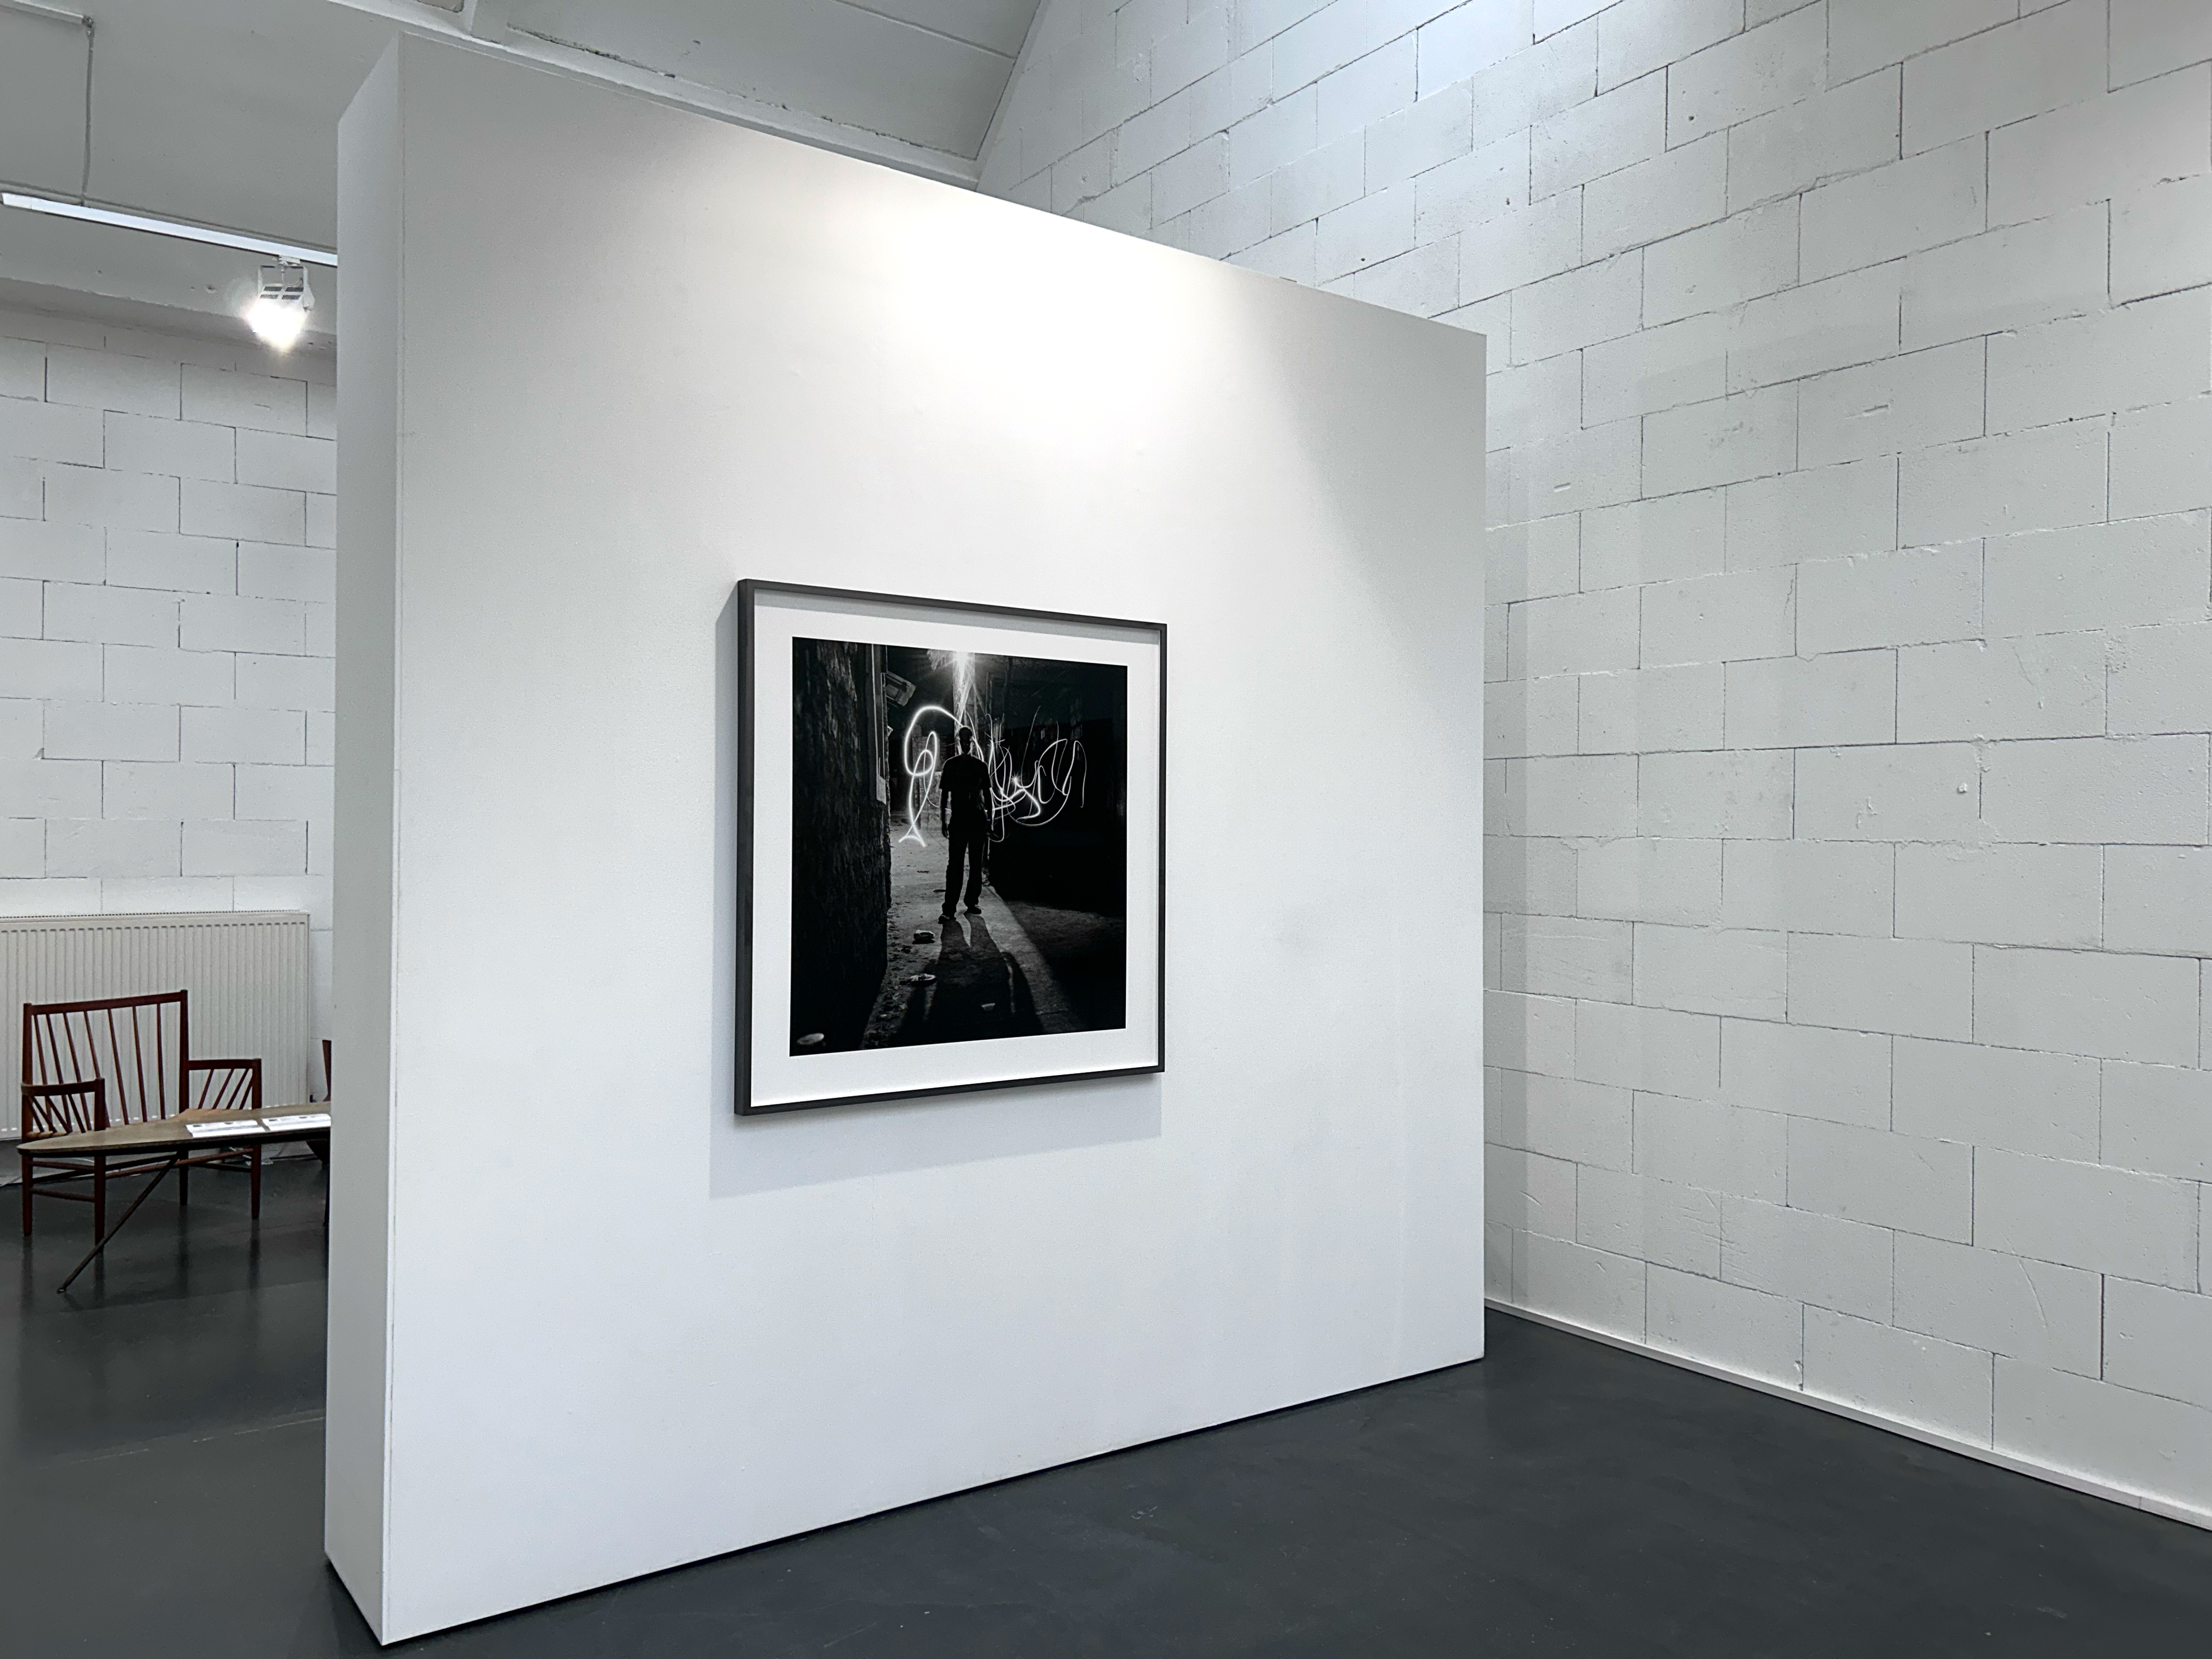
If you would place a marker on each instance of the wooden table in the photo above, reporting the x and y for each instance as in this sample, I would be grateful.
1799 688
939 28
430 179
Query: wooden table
171 1140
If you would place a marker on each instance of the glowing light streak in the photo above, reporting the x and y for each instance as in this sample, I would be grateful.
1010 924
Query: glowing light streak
921 769
1057 774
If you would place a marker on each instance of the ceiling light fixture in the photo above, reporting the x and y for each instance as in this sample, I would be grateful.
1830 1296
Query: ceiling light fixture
292 252
278 311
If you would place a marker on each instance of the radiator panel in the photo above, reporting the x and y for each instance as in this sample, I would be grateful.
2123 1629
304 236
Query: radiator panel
247 970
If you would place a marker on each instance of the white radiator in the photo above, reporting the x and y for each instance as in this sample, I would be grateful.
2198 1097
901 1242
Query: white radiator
247 972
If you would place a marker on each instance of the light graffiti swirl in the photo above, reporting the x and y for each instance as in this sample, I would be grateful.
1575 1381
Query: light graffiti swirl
922 764
1057 774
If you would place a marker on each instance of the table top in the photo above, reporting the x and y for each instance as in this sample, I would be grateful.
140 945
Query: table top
168 1135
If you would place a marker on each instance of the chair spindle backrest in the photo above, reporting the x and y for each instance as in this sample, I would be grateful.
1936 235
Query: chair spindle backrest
136 1046
233 1088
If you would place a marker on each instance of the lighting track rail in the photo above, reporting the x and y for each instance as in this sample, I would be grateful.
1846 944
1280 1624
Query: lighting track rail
182 230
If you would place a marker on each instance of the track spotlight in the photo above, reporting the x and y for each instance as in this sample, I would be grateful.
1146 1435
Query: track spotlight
278 311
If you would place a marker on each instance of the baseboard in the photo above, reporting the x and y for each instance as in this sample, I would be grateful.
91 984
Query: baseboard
2089 1485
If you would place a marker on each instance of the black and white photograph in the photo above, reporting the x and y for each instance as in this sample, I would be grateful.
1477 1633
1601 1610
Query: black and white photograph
959 845
971 836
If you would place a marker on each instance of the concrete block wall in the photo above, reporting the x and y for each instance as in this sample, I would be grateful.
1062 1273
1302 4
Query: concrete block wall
1849 557
167 535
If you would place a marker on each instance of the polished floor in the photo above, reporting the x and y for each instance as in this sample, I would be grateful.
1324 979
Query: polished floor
159 1496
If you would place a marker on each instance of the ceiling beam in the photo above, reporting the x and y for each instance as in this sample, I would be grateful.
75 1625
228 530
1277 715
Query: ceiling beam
733 107
1031 37
487 19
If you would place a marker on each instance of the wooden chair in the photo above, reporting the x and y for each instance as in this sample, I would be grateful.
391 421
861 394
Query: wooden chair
119 1060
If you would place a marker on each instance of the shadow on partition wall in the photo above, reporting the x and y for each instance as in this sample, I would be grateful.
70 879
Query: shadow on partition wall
770 1153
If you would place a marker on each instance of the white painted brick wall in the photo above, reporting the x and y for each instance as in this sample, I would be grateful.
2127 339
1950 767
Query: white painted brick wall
1809 886
1708 1319
1851 638
2162 239
1914 1379
165 578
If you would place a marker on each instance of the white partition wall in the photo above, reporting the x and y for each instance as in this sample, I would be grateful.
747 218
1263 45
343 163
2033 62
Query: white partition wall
606 359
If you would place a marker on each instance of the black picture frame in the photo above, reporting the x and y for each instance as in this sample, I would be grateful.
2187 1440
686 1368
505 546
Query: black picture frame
749 593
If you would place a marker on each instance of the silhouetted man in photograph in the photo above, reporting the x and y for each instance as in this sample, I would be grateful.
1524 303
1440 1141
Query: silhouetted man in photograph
965 791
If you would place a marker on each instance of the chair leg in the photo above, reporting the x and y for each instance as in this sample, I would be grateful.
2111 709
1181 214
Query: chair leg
28 1169
253 1180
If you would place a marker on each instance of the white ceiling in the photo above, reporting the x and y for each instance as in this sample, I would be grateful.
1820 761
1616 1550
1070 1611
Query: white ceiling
220 111
225 112
926 71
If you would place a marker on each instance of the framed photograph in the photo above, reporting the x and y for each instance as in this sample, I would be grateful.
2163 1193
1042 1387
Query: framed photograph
950 835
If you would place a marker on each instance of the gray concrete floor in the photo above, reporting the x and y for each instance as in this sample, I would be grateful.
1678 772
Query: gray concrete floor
160 1476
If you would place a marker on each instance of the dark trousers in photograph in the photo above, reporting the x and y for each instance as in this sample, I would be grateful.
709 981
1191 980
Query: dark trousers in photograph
964 842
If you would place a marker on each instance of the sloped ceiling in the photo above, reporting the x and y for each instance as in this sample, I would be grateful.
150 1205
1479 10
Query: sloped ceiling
225 112
220 111
926 71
